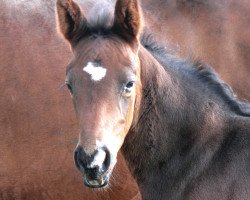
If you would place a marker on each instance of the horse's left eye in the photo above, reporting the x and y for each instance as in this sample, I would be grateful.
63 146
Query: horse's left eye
130 84
128 88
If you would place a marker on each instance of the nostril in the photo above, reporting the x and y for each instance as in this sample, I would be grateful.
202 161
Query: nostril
78 158
107 160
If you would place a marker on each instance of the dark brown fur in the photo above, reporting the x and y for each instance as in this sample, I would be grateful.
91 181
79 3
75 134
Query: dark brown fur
183 133
198 157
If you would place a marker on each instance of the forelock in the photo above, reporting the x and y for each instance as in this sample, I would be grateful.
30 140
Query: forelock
100 13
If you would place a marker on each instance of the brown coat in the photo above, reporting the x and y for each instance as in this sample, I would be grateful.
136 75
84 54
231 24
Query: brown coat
38 130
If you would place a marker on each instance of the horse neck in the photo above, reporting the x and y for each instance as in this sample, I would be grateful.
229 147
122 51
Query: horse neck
168 129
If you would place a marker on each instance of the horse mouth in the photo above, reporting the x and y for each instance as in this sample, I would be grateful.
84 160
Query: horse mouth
96 183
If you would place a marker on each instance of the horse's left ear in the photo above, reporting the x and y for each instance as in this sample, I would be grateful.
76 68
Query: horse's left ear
128 19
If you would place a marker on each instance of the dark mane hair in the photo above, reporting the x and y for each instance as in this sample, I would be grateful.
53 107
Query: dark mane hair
203 72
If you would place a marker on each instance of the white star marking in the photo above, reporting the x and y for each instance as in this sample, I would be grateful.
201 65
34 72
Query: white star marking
97 72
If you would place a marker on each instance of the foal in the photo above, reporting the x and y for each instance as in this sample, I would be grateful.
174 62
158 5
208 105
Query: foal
180 129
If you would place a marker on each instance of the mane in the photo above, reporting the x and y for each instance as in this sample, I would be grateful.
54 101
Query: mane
202 71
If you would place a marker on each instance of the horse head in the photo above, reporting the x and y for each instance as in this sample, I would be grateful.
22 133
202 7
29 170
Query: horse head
104 81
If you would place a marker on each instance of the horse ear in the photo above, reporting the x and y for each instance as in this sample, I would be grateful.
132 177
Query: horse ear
70 18
128 19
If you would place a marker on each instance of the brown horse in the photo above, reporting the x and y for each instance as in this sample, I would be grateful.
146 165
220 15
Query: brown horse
38 130
182 131
33 108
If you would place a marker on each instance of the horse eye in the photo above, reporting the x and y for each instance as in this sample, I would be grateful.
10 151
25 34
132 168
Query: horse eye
128 88
130 84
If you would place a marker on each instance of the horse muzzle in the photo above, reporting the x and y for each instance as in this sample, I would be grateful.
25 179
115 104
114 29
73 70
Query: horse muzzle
96 167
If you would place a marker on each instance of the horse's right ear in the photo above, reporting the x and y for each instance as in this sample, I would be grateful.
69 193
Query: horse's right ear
70 18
